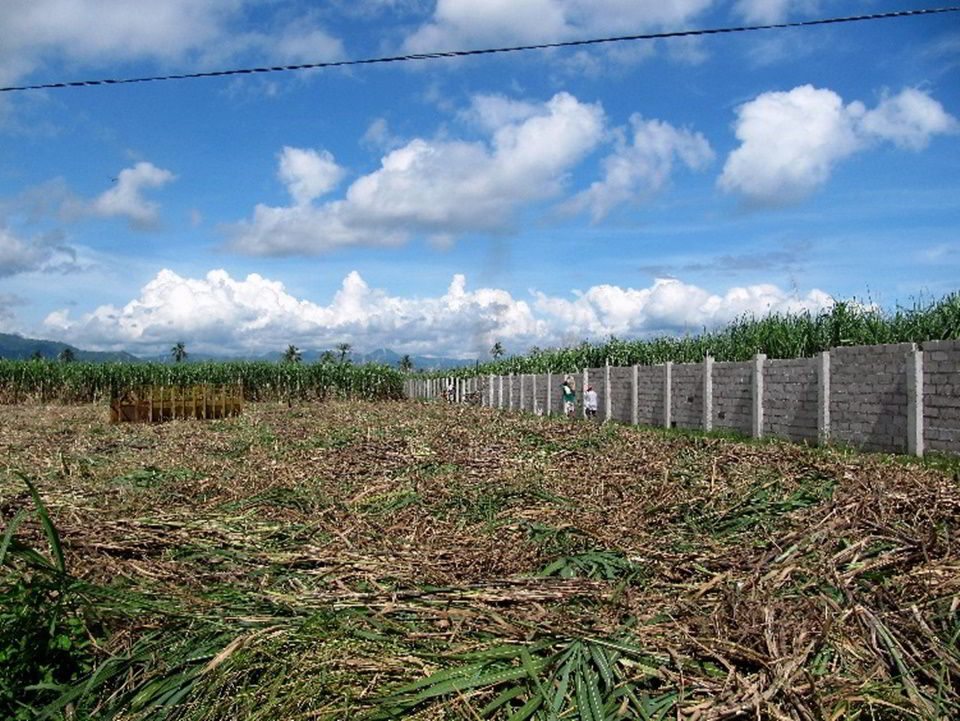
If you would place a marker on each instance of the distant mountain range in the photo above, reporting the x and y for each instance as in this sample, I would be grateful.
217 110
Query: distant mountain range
18 347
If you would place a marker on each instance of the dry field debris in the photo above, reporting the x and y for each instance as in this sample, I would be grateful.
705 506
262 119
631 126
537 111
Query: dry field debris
406 560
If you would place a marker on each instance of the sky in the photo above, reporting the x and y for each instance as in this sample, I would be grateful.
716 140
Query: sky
435 207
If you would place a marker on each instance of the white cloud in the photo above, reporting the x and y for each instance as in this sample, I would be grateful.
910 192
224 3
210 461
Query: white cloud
256 315
467 23
790 141
308 174
642 167
379 136
774 11
46 253
90 32
668 306
125 200
440 187
492 112
908 119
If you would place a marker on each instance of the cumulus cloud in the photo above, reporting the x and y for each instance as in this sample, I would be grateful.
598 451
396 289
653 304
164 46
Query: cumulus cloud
257 315
440 187
466 23
125 198
219 314
308 174
791 141
34 32
641 166
669 305
908 119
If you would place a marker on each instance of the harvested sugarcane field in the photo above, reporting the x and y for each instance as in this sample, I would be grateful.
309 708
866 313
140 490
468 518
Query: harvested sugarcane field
356 560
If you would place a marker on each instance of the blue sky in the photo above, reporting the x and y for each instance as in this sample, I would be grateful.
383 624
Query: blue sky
535 198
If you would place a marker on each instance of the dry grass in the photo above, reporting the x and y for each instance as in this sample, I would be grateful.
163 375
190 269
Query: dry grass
329 552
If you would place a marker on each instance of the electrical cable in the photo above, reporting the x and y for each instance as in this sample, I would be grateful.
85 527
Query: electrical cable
486 51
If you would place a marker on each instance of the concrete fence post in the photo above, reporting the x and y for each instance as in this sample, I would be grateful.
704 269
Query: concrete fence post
523 396
533 393
583 389
708 393
667 394
510 391
634 395
607 393
915 402
500 391
549 399
823 398
757 396
490 392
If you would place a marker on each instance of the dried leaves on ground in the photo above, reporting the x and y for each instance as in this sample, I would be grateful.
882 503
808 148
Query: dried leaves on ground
389 560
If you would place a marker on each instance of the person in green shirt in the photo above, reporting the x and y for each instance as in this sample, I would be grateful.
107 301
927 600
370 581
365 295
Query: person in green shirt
569 397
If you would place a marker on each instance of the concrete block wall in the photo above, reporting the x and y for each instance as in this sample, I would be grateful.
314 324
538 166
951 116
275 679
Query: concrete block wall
596 378
941 395
878 398
687 395
525 397
733 397
621 394
513 396
790 393
868 396
540 395
650 395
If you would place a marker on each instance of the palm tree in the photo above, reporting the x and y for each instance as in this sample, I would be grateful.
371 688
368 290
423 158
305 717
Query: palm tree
179 352
292 354
344 348
66 355
497 350
326 357
405 364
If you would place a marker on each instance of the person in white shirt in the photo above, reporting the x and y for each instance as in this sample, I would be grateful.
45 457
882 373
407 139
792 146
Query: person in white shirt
590 402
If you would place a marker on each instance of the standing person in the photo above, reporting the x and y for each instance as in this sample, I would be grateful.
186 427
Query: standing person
569 396
590 402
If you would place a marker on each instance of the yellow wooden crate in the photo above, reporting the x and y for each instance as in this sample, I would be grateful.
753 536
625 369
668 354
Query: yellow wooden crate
154 404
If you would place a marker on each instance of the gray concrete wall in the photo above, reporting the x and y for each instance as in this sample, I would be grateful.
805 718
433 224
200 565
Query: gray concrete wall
790 399
556 402
941 395
621 380
650 395
687 397
596 379
868 396
877 398
732 396
541 396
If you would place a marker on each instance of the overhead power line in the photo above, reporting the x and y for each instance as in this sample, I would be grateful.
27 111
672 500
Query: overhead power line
485 51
